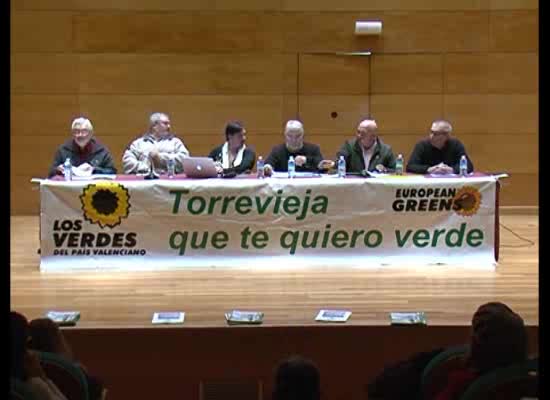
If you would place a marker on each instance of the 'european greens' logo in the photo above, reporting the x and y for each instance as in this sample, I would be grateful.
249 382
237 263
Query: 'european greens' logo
105 203
464 201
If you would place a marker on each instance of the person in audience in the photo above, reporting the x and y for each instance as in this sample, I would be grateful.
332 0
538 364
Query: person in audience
307 156
88 156
367 151
154 149
46 336
440 153
297 378
25 364
234 156
498 339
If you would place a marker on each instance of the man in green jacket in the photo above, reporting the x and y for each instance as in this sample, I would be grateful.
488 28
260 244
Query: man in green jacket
367 151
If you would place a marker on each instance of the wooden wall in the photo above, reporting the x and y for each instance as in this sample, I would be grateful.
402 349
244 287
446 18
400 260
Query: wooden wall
238 363
207 61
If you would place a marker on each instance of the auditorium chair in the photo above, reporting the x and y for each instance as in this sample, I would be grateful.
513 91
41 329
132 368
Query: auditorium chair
434 376
20 391
509 383
67 376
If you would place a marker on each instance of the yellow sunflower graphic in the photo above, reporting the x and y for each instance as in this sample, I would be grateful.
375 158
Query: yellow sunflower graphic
105 203
467 201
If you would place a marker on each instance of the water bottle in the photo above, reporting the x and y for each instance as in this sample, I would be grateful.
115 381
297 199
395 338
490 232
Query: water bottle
171 166
463 165
341 167
260 168
291 167
399 165
68 169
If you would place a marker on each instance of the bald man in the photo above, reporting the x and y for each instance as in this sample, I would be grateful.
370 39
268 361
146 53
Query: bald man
367 151
439 153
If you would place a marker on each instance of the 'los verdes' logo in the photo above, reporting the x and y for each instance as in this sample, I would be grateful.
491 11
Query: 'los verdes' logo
105 203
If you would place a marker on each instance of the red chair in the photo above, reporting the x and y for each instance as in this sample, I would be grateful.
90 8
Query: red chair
509 383
434 376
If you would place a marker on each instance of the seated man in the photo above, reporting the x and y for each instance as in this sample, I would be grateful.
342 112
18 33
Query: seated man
367 151
25 364
233 156
439 153
307 156
154 149
498 339
85 152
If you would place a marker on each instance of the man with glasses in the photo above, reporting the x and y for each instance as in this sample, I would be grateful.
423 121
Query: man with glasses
307 156
87 155
367 151
440 153
154 149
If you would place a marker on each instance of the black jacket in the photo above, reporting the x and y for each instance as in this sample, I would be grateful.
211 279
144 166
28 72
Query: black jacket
98 157
353 154
246 165
425 155
278 158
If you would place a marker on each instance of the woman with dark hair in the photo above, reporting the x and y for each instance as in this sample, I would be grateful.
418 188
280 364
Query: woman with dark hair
25 364
234 156
498 339
297 378
47 337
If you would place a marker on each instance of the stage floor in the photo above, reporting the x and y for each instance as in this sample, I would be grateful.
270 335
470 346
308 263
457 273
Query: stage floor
449 295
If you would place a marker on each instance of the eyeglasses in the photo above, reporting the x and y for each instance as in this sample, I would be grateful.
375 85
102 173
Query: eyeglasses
439 133
78 131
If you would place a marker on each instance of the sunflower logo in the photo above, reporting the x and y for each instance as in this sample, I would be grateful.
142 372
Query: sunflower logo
467 201
105 203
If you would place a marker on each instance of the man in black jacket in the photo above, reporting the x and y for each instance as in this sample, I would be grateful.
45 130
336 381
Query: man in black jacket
87 155
307 156
234 156
439 153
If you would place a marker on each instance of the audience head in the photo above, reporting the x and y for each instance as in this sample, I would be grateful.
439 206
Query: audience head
294 135
367 132
297 378
235 134
82 131
159 124
498 337
19 331
440 133
46 336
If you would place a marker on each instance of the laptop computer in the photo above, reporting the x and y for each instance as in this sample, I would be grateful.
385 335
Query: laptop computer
199 167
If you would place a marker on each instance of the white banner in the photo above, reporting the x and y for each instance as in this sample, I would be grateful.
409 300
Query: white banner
138 224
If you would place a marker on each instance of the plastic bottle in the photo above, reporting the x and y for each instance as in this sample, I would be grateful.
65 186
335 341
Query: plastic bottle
341 167
171 166
399 165
260 168
463 165
68 169
291 167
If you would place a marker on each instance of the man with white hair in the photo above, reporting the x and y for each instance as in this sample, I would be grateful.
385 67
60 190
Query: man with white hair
439 153
307 156
154 149
87 155
367 152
